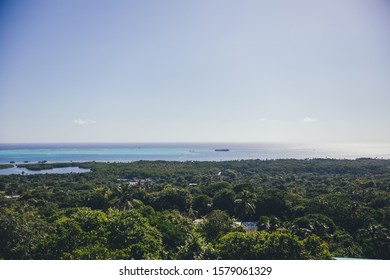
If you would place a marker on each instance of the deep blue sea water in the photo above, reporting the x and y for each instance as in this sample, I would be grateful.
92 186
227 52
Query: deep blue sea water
122 152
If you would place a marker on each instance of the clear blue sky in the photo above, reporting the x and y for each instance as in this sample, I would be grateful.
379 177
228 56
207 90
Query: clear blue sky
188 71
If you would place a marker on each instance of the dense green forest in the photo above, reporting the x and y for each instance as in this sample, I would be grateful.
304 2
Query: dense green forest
249 209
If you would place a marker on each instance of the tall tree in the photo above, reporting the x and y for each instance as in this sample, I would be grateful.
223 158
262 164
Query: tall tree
245 204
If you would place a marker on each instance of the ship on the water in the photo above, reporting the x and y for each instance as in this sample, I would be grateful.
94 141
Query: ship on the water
222 150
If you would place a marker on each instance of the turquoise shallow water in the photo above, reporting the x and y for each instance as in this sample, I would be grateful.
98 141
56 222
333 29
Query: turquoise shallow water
20 153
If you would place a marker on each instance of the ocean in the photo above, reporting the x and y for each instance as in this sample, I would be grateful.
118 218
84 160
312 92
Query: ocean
127 152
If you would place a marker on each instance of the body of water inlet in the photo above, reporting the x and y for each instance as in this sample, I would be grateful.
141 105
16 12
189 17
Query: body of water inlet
25 171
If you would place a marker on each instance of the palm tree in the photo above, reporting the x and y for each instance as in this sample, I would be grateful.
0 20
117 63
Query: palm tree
270 224
124 199
245 204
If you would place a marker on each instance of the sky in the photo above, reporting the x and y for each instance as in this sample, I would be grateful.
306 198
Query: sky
195 71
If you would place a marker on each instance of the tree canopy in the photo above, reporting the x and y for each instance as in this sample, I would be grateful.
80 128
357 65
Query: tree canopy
248 209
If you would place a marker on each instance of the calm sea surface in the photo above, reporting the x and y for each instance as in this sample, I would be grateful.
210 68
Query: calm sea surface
20 153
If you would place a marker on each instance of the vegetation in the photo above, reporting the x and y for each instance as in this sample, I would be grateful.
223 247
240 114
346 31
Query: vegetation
42 165
301 209
5 166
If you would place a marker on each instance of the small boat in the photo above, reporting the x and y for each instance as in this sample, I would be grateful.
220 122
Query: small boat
222 150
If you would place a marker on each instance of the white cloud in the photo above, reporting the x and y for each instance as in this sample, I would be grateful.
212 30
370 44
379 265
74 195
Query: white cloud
262 119
308 119
83 121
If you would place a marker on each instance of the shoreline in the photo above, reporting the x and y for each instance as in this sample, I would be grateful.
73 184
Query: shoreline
32 168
